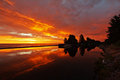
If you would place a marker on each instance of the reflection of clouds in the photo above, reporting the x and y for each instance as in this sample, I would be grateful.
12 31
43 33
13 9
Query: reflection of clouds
32 50
27 59
54 50
12 54
20 53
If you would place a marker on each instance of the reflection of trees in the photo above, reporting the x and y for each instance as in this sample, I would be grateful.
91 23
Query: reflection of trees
108 67
82 51
71 51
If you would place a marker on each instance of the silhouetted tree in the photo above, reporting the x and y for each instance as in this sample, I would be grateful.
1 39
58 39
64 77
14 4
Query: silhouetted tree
81 40
72 40
65 40
91 43
114 30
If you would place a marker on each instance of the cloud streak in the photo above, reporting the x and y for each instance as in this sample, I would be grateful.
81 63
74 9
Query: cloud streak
9 2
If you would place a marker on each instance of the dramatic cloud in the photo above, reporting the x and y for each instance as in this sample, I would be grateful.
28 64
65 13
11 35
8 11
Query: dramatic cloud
9 2
51 20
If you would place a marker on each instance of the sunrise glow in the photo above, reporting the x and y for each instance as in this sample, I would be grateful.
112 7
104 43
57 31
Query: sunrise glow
26 24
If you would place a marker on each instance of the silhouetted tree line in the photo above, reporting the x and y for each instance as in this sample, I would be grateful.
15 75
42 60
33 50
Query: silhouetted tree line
82 42
71 45
88 43
113 30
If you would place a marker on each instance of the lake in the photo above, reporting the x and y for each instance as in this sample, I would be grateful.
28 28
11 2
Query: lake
47 63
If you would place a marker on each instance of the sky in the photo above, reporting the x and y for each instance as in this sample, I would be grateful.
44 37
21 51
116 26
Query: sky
50 21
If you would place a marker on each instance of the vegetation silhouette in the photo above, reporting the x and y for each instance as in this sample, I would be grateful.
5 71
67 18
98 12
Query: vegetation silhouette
71 45
113 30
65 40
71 40
91 43
82 42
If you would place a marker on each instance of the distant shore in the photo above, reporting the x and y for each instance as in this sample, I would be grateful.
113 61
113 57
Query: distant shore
12 47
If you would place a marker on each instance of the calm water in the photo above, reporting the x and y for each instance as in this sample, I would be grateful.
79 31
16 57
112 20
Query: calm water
46 63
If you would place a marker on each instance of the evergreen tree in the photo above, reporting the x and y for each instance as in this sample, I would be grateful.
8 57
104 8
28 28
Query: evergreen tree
72 40
65 40
81 40
114 30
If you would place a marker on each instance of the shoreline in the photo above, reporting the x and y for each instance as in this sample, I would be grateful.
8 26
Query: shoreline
110 49
110 62
27 46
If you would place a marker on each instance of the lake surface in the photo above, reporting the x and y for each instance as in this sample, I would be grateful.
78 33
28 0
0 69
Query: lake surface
47 63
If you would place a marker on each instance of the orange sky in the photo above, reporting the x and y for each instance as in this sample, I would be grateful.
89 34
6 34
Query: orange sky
49 21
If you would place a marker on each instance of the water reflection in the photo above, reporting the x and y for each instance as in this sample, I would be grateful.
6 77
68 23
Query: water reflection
44 62
74 49
21 53
22 60
106 67
82 50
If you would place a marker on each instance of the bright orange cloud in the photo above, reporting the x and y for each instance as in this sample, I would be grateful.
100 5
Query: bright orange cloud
32 24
